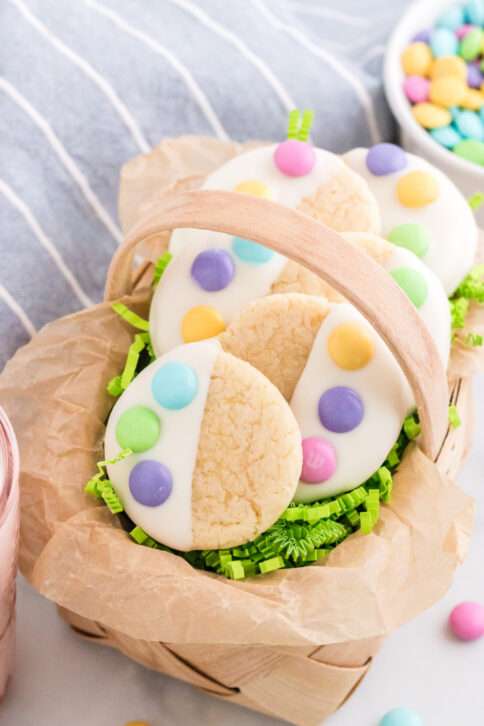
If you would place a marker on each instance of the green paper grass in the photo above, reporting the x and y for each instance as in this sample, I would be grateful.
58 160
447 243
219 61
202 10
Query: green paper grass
470 290
160 267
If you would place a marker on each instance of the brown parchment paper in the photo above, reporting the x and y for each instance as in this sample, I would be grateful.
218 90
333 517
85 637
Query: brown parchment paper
293 644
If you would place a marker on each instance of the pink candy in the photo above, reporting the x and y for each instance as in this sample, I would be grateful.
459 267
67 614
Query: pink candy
463 31
467 621
416 88
319 460
295 158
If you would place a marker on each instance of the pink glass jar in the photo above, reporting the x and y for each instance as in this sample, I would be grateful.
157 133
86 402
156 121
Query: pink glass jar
9 528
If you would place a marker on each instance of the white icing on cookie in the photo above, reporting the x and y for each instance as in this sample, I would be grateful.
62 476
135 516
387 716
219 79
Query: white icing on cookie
448 219
435 309
176 397
350 403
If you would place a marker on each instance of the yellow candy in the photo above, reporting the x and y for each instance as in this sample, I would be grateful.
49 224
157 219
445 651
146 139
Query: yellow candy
447 91
137 723
201 322
449 65
473 99
417 59
255 188
417 189
350 347
431 116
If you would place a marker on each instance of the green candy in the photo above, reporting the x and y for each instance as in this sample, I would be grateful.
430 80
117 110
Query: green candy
470 45
412 283
138 429
413 237
471 150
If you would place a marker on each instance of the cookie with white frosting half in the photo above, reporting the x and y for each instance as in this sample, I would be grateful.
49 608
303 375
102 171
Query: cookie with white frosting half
421 209
345 388
216 449
213 275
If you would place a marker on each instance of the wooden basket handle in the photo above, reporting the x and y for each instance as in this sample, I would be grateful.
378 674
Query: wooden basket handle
347 269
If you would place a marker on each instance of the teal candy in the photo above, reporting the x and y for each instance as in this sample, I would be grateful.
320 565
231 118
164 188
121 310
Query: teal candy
481 114
454 112
451 18
174 385
251 252
469 125
401 717
474 12
446 136
443 42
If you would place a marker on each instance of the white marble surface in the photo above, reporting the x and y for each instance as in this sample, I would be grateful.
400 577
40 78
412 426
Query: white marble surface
63 681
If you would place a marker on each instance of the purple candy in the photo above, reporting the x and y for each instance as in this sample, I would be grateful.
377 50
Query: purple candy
383 159
340 409
474 76
150 483
213 270
423 36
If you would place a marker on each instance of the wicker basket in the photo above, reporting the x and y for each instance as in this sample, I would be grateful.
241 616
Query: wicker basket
286 677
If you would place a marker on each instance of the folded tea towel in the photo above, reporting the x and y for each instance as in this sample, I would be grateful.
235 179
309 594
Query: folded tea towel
84 86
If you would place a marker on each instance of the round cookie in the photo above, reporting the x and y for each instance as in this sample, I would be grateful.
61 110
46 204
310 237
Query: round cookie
216 449
421 209
345 388
418 281
213 275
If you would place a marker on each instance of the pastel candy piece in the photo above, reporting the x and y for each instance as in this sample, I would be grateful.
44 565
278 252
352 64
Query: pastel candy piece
213 269
470 45
451 18
467 621
446 136
212 276
319 460
463 30
138 429
473 99
254 187
417 189
357 408
194 488
295 158
417 59
420 284
413 237
447 91
443 42
383 159
350 347
449 66
416 88
474 76
470 125
401 717
423 36
474 12
431 116
471 150
448 219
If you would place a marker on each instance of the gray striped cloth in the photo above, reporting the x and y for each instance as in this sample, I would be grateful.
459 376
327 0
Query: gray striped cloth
86 85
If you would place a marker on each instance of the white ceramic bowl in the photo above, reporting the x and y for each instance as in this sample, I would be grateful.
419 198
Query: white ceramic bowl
469 177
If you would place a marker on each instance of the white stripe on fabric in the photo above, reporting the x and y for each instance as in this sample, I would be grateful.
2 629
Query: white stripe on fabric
341 70
17 310
123 112
244 50
46 243
67 161
329 13
196 91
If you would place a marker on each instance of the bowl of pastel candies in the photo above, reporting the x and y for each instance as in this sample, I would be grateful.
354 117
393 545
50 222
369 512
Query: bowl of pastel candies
434 82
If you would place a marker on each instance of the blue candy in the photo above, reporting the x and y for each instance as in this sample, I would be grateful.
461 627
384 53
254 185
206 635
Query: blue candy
452 18
251 252
174 385
443 42
474 12
469 125
446 136
401 717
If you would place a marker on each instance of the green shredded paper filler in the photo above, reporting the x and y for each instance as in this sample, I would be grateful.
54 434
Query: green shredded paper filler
470 290
305 533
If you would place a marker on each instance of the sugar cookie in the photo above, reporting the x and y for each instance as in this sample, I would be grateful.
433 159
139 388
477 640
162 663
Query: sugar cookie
421 208
346 390
216 449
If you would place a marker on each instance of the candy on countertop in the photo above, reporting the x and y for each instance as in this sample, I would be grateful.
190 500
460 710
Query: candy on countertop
447 94
467 621
401 717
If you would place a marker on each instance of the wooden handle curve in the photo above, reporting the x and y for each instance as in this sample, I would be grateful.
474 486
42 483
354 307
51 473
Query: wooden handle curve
310 243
